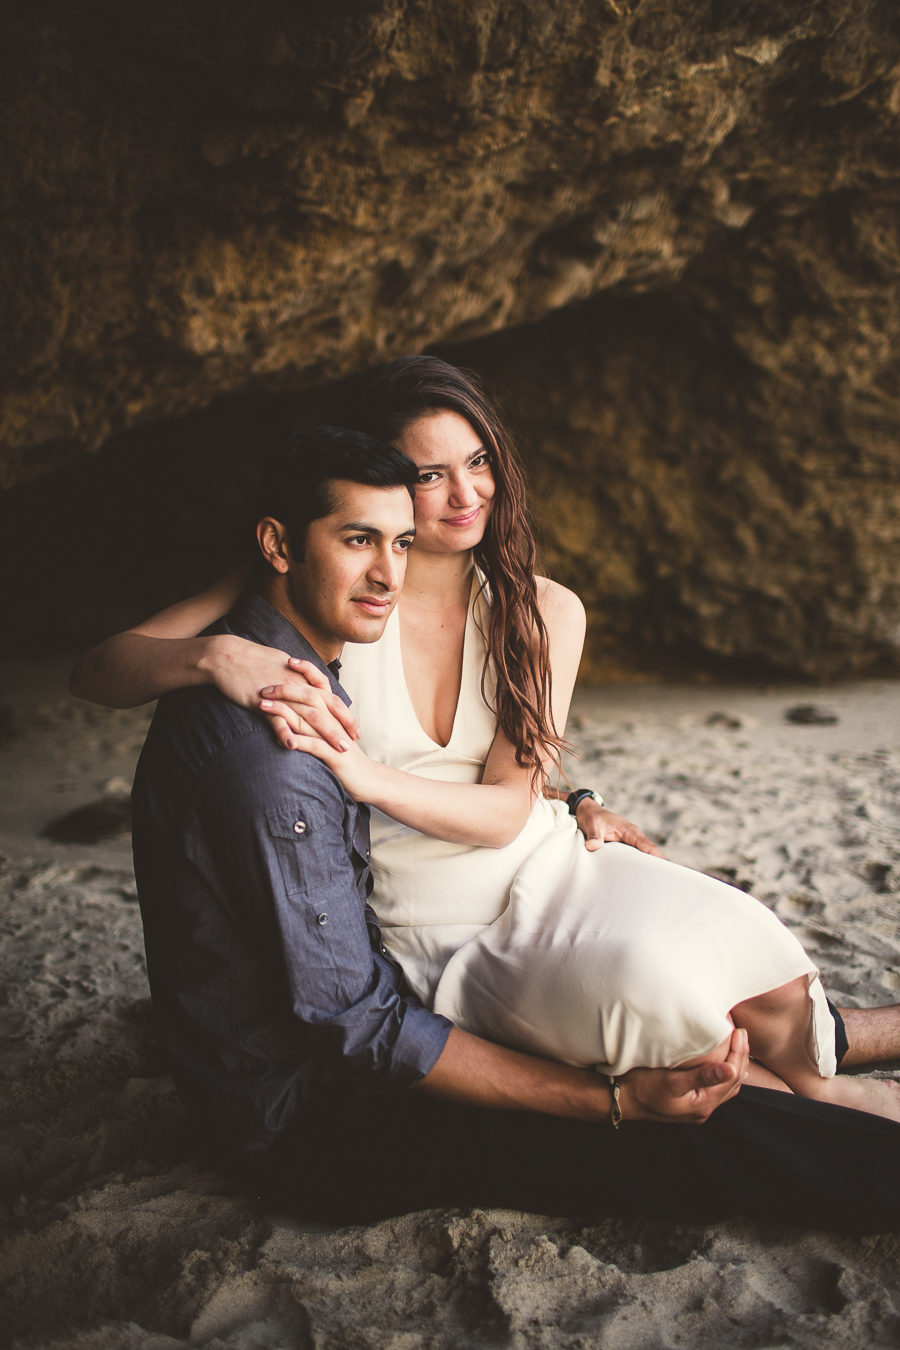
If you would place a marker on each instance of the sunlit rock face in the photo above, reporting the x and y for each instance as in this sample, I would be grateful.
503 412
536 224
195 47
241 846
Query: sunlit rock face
208 201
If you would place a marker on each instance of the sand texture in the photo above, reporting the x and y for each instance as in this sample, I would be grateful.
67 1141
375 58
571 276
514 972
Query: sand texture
113 1238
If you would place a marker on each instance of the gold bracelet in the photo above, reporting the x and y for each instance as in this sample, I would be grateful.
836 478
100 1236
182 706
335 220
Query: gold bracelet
616 1116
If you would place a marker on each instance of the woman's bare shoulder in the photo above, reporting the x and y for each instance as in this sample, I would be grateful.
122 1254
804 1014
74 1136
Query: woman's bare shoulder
557 603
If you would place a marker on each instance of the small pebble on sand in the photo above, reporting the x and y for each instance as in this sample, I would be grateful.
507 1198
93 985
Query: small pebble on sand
811 715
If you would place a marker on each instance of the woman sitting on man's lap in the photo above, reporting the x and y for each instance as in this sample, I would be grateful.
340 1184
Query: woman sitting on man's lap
595 951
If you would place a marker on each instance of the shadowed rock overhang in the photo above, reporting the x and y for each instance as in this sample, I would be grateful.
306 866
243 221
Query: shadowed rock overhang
209 199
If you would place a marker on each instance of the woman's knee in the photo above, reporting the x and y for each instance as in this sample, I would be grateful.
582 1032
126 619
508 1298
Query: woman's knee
776 1011
775 1002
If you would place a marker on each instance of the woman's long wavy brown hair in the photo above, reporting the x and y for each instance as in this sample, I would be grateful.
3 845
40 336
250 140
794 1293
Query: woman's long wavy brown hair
517 645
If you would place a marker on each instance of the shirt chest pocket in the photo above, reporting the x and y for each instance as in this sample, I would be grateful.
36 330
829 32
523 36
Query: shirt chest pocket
304 846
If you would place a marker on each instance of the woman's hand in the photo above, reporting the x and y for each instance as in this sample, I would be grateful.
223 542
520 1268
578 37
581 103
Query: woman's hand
600 827
246 671
358 775
306 707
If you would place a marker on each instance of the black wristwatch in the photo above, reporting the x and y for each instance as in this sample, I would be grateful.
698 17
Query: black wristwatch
578 796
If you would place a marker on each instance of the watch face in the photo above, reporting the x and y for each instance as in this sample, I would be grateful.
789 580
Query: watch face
575 798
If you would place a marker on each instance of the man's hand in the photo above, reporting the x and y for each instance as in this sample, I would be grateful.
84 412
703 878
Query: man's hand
480 1073
685 1096
306 707
600 827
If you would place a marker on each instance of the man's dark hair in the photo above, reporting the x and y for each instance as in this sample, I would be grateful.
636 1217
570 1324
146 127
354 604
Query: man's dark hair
297 485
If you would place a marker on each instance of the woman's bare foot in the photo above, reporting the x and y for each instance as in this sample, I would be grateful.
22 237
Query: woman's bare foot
880 1096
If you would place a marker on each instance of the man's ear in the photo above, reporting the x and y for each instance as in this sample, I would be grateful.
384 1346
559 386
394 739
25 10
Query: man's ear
272 538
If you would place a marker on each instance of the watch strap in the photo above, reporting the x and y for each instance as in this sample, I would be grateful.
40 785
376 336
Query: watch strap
578 796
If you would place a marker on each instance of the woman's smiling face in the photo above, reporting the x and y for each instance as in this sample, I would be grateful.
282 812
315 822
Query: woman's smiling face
455 490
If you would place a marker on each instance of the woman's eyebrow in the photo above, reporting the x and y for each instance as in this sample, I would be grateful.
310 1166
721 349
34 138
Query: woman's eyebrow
425 468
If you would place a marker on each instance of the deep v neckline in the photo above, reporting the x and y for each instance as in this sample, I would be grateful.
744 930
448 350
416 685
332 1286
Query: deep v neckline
467 647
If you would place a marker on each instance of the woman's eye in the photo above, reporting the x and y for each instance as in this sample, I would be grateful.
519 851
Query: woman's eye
431 476
479 461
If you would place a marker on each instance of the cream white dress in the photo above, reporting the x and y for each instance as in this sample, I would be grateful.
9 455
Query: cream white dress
609 959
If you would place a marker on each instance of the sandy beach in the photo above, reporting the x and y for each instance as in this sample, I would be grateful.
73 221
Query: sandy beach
112 1237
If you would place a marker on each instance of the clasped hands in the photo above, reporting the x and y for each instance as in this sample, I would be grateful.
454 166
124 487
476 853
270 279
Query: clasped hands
308 708
303 712
259 678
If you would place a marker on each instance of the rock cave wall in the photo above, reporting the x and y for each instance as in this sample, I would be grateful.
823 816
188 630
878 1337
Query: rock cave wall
669 232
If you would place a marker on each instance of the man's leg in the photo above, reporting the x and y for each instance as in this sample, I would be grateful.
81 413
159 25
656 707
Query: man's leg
765 1155
873 1035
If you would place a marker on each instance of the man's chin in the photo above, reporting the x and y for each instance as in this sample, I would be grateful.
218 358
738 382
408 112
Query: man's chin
366 628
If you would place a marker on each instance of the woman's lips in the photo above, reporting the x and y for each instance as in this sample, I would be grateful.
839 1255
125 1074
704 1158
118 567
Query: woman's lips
460 522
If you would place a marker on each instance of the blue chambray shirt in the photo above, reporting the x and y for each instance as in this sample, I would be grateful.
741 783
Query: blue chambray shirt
265 961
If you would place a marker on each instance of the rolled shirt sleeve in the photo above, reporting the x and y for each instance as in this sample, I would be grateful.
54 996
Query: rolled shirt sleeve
278 843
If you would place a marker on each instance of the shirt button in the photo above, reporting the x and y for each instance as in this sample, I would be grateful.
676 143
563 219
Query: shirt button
321 918
299 827
384 950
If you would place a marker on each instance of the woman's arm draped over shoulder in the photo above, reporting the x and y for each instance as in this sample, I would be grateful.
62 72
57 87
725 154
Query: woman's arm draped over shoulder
165 653
160 654
490 813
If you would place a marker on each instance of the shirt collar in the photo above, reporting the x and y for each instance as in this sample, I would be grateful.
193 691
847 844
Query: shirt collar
259 620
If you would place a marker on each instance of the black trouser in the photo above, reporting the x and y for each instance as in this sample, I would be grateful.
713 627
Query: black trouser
765 1155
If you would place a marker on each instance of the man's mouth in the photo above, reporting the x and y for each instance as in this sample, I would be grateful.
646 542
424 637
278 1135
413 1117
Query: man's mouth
373 604
460 522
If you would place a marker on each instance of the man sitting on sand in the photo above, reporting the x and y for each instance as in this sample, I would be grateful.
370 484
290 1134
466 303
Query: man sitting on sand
306 1066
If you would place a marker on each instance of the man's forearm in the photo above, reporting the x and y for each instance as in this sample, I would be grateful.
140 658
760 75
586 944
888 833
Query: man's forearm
480 1073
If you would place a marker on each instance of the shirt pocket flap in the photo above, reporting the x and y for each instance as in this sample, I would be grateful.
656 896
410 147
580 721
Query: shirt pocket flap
304 846
295 822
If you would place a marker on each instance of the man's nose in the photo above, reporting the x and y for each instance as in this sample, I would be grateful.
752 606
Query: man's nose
385 569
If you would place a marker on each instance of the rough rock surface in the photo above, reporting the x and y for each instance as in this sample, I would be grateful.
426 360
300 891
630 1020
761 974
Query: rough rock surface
706 479
205 196
230 195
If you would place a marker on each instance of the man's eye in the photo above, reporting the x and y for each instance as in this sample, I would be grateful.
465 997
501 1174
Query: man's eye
404 544
358 539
